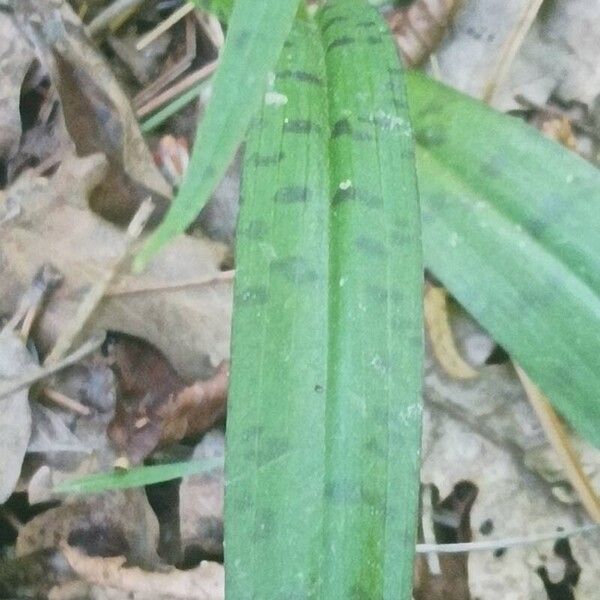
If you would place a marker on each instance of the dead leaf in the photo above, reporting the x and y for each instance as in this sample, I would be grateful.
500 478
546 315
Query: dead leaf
108 524
97 113
440 333
558 55
50 216
205 582
33 576
471 55
16 58
15 414
154 406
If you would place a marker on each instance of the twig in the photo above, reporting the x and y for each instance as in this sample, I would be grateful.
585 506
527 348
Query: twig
44 281
503 543
12 385
510 50
125 290
66 402
174 71
179 88
559 439
163 26
97 291
103 20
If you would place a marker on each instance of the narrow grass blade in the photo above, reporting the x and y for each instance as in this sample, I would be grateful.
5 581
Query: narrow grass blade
139 476
257 31
323 430
511 224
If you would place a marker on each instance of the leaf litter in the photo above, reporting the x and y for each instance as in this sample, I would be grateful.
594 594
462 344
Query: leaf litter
74 170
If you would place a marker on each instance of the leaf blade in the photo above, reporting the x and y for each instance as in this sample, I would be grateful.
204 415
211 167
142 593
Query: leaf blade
136 477
323 489
516 245
374 404
250 51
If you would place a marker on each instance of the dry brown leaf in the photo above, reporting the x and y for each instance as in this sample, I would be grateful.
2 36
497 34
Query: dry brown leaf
154 406
440 334
49 217
205 582
97 113
109 524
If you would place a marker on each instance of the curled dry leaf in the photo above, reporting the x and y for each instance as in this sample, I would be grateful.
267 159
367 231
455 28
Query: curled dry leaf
97 113
154 405
205 582
440 333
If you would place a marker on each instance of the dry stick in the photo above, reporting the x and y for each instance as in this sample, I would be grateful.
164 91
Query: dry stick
93 297
111 13
175 70
14 384
503 543
124 290
65 402
508 53
179 88
559 439
163 26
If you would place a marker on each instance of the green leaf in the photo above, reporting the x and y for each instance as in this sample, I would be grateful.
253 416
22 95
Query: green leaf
136 477
324 409
257 31
511 227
